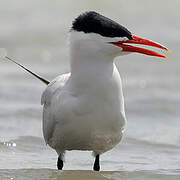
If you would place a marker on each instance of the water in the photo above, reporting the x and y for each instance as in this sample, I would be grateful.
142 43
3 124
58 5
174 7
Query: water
35 33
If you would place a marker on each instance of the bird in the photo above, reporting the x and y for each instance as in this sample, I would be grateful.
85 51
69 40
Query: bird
84 109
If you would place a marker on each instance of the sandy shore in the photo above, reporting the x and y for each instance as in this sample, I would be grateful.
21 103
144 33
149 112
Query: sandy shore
49 174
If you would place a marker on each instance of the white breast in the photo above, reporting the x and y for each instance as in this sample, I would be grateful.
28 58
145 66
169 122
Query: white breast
84 115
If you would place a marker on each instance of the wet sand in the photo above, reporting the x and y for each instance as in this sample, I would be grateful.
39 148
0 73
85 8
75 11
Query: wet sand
49 174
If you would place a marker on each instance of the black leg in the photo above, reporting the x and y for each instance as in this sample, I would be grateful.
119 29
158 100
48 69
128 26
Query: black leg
60 163
96 164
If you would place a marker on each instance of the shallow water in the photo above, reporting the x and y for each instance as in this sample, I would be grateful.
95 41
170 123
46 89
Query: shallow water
49 174
35 33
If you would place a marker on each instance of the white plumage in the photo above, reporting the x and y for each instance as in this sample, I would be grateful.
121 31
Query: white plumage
85 110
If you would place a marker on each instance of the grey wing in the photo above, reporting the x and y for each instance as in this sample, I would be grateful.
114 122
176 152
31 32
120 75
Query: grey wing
48 120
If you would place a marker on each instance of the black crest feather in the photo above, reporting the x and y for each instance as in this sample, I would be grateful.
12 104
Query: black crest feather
92 22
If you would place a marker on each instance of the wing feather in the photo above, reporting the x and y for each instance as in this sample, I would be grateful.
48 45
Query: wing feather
48 120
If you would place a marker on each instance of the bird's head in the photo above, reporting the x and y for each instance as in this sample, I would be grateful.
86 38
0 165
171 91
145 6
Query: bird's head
93 33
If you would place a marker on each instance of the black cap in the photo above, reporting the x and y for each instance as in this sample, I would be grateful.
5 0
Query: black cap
92 22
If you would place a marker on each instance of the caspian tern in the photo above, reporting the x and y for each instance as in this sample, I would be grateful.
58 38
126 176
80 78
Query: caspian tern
84 109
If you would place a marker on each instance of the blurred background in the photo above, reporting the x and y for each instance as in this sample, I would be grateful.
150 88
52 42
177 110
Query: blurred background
35 33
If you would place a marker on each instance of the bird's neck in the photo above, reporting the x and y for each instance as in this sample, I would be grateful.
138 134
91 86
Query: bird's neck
90 64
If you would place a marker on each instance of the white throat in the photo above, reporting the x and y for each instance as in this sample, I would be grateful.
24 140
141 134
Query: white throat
93 71
91 54
83 62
